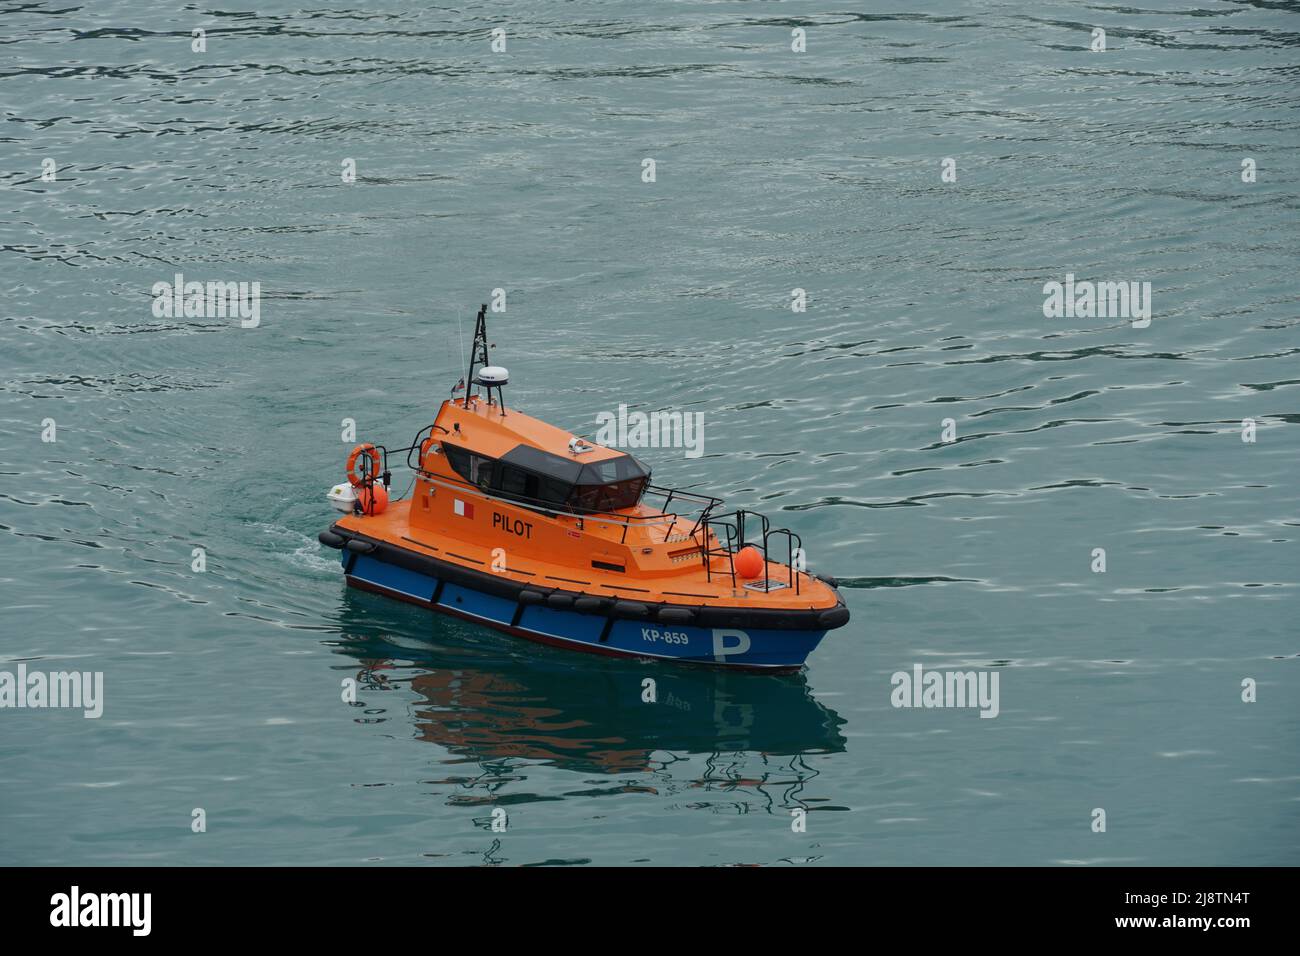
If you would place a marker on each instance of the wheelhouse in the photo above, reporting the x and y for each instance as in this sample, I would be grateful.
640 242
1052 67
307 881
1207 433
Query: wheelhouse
538 478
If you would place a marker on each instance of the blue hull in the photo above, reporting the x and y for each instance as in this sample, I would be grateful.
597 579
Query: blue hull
761 648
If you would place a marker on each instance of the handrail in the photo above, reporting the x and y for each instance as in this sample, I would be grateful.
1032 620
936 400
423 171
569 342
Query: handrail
733 522
726 549
791 538
416 444
612 517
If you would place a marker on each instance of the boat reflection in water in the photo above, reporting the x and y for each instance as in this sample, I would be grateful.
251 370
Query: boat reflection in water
487 698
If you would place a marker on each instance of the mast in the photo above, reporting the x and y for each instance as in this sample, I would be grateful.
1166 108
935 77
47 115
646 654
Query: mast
477 352
478 356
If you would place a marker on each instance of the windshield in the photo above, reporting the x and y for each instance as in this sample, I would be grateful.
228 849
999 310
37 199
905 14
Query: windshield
610 485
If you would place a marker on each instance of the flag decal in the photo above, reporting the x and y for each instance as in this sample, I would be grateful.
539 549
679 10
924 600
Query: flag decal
463 508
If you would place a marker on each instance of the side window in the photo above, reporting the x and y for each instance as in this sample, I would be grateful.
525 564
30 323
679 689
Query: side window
458 458
516 482
553 491
480 470
476 469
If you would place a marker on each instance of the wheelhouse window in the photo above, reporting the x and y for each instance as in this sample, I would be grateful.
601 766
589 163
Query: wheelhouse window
530 487
476 469
535 477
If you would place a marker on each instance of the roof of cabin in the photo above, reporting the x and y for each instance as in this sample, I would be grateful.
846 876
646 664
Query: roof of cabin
484 429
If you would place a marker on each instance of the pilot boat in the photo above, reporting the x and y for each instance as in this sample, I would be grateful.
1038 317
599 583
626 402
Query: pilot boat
532 530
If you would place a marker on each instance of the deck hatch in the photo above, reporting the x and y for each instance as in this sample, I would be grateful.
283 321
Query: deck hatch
767 585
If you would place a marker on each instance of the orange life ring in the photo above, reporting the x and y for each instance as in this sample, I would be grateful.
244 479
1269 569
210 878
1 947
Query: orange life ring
424 449
371 452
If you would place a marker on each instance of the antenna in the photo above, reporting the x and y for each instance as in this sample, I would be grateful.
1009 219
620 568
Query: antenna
460 337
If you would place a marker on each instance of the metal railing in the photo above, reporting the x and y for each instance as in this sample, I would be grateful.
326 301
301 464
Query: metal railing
733 524
704 504
712 545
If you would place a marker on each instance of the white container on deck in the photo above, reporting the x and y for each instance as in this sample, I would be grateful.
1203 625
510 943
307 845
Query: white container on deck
343 497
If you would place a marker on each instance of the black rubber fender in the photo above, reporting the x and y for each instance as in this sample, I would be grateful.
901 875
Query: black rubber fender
330 539
828 579
558 600
497 585
676 615
630 609
835 617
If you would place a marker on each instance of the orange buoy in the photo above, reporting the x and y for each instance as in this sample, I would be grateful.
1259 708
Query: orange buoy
371 452
373 498
748 562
